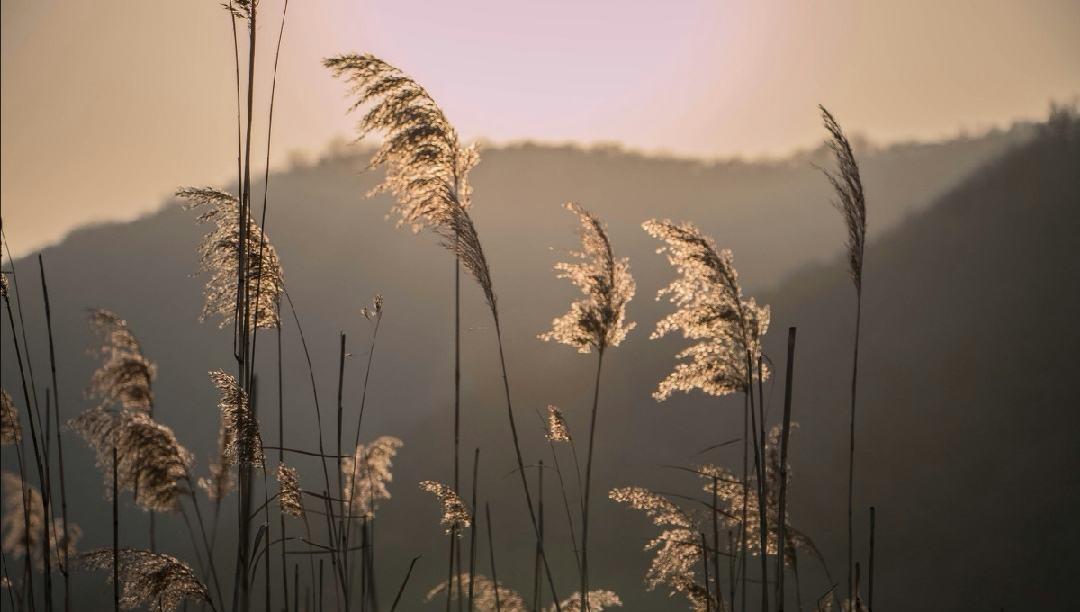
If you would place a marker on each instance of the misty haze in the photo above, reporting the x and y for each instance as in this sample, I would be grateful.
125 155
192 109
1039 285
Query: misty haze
561 308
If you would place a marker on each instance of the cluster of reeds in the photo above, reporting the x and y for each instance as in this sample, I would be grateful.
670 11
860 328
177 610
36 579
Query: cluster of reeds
702 553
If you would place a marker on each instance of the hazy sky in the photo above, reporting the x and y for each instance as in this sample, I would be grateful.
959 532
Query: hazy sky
109 105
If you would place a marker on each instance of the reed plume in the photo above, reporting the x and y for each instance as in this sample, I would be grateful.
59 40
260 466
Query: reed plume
598 319
427 168
596 600
10 429
219 258
26 531
557 431
851 202
677 547
455 514
427 172
711 311
367 473
125 376
159 581
290 496
488 595
243 442
151 463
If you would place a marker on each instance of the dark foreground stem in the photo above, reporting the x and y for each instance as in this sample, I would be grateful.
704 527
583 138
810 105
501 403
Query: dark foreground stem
401 589
870 586
584 605
115 534
521 461
782 509
851 456
65 567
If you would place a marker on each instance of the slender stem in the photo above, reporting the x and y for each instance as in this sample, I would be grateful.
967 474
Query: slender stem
491 553
705 565
762 501
405 581
455 546
781 515
743 543
281 460
472 532
870 587
65 568
42 474
588 484
566 505
537 597
851 455
520 459
115 533
450 569
716 545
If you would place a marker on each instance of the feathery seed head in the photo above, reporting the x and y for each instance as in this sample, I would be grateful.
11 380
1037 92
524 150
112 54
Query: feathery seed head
710 310
598 600
598 319
427 169
374 312
291 499
21 497
161 582
10 429
455 514
219 257
678 550
151 463
367 473
557 431
240 429
850 199
484 598
125 375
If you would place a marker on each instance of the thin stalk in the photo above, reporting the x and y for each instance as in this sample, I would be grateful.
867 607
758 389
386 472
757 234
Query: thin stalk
851 455
537 598
281 459
115 533
491 553
28 576
873 529
450 569
588 484
716 545
472 532
785 432
759 466
42 474
65 568
743 543
566 505
404 582
340 480
520 459
457 391
705 565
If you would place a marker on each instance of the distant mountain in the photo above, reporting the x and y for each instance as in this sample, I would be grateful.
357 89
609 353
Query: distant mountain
967 440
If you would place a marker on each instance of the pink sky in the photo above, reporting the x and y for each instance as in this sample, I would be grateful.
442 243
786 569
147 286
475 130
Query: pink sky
109 105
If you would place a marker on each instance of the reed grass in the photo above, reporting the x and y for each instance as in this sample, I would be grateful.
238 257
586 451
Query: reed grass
850 201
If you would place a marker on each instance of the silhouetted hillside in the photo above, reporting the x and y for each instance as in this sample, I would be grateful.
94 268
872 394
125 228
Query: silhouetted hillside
967 440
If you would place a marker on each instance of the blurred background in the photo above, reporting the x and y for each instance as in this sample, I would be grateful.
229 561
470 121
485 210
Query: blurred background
704 111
